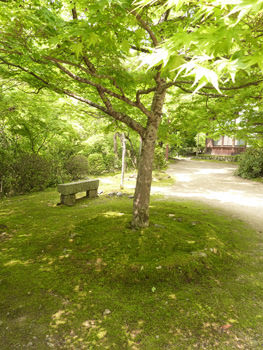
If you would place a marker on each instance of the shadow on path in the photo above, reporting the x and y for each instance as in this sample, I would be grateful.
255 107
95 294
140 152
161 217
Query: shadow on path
216 185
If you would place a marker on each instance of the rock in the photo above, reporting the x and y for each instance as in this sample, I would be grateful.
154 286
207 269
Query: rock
178 219
111 194
200 254
195 223
131 197
160 226
106 312
100 192
119 194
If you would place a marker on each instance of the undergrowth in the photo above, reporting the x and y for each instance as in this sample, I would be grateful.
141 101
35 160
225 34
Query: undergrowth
80 278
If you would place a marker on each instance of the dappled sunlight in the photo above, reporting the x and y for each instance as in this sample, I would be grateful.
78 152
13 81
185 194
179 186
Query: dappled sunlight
216 185
6 212
109 214
18 262
183 177
106 181
212 171
235 197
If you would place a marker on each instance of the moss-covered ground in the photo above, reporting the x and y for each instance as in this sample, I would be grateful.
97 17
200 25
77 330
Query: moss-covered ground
79 278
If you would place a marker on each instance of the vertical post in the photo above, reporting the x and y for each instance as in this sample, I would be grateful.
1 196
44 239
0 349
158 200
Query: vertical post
123 163
167 152
197 145
115 147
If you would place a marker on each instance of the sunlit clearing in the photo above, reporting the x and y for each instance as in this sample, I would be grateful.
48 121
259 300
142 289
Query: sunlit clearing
112 213
18 262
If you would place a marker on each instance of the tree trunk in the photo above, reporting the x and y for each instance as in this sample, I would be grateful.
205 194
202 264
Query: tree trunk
140 148
132 152
144 179
123 162
167 153
115 147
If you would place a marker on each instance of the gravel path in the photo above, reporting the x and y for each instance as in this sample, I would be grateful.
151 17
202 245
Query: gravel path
215 184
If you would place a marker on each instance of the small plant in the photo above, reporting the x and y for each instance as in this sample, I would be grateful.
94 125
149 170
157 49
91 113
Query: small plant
159 159
77 166
110 161
251 164
96 164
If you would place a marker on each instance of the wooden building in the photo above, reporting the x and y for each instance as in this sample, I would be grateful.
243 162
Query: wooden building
225 146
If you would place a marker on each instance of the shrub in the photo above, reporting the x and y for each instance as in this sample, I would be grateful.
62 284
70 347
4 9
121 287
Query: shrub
96 164
31 173
77 166
251 164
109 160
6 177
159 159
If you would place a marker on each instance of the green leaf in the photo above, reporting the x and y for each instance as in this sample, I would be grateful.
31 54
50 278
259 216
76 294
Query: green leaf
77 48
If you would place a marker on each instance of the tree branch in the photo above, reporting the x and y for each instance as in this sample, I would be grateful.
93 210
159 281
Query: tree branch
116 115
101 89
201 93
145 26
189 82
24 70
136 48
93 115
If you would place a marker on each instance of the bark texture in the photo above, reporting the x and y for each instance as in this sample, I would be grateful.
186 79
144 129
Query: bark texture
144 178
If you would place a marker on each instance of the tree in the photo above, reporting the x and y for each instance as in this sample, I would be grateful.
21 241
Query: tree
121 59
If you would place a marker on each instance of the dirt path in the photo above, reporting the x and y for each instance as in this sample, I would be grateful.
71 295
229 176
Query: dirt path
215 184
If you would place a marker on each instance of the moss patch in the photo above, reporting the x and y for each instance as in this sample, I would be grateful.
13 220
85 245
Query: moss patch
80 278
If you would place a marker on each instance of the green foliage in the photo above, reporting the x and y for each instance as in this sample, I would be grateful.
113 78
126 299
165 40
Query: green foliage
31 172
96 164
251 164
77 166
109 160
159 158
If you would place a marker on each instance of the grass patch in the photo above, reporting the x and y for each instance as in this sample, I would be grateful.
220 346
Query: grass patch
112 183
257 179
80 278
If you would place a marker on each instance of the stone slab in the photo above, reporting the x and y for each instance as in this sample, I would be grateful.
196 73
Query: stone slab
78 186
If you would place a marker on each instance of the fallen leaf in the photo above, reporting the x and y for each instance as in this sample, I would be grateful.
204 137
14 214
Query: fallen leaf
101 334
225 327
106 312
172 296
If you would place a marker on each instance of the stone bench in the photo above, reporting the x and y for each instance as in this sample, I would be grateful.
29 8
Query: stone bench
68 191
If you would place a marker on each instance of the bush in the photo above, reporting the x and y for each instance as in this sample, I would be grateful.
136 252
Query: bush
96 164
109 160
6 176
159 159
251 164
77 166
31 172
